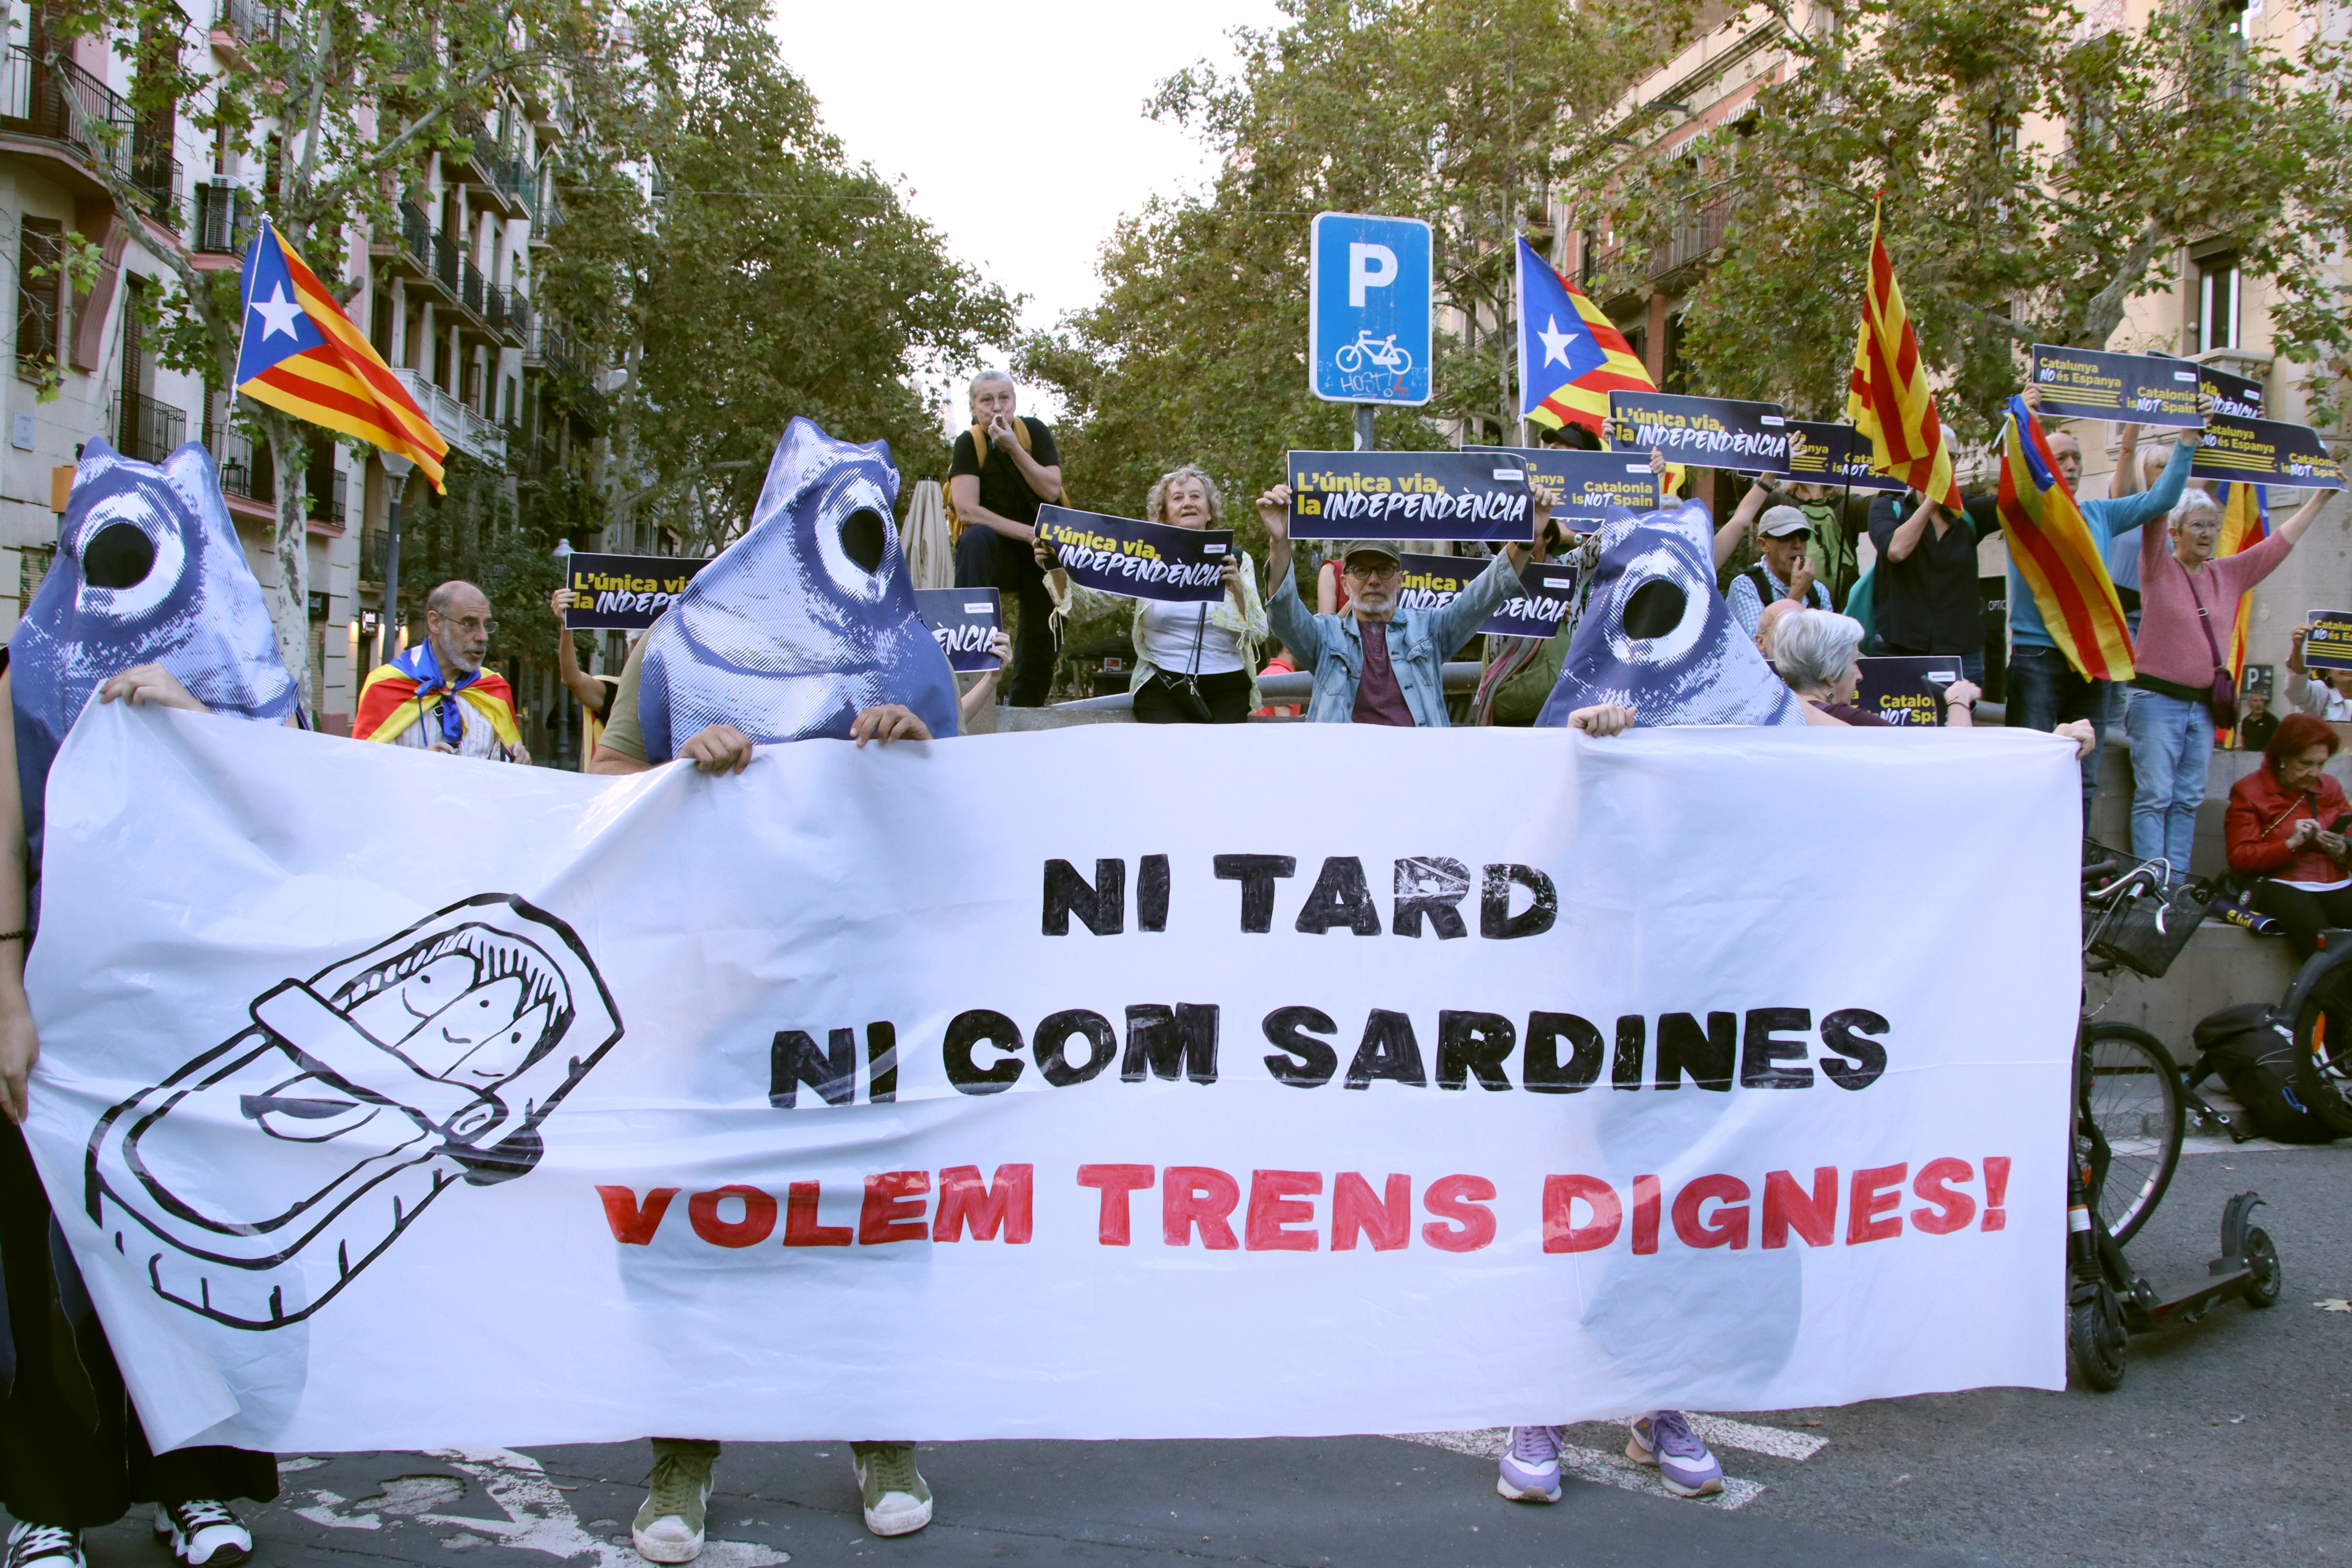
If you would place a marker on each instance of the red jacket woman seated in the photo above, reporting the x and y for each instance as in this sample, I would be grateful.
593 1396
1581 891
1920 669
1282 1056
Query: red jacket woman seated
2286 823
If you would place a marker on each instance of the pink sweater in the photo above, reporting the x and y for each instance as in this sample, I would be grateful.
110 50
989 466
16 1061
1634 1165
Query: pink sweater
2170 646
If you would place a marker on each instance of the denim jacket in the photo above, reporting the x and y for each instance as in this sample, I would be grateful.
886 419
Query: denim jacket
1419 643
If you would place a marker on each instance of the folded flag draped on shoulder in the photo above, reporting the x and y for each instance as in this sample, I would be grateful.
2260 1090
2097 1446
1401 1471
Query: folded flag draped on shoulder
2055 550
412 687
2245 522
1888 399
301 354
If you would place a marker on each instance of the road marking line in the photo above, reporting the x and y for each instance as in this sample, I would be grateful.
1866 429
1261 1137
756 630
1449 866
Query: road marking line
1586 1464
1723 1430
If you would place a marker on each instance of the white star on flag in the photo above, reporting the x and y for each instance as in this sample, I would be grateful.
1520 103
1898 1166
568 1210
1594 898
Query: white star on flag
1555 342
278 314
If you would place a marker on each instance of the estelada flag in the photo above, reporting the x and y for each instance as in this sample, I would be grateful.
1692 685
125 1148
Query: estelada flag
1887 397
1571 357
409 689
2055 553
300 353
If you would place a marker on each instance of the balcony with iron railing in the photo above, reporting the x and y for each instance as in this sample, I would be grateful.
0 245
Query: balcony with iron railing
60 101
251 20
443 268
470 286
474 434
145 429
225 219
155 173
245 469
517 319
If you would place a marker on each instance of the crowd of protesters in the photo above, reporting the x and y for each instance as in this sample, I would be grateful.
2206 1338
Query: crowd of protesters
1812 602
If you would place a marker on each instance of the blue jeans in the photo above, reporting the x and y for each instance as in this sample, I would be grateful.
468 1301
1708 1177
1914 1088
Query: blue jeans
2172 742
2045 692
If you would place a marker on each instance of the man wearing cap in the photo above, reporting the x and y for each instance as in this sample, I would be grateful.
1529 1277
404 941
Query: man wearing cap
1784 573
1377 663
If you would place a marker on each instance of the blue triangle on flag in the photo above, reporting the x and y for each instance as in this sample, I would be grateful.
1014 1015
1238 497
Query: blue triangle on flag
275 326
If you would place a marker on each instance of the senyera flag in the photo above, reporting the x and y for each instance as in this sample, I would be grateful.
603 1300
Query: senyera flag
1571 357
1887 398
2054 548
301 354
2245 522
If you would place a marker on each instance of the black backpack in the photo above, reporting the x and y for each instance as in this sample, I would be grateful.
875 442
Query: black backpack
2251 1048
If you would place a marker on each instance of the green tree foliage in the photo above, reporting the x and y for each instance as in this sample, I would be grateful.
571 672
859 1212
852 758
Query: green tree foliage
1463 113
722 254
2039 174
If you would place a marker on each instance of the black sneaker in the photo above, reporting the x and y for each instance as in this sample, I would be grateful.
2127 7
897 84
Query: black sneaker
46 1545
202 1533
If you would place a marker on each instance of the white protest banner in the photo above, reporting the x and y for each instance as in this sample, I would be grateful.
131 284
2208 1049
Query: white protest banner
391 1101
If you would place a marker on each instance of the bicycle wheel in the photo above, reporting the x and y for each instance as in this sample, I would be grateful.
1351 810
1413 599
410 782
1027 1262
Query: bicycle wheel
2133 1097
2322 1064
1347 359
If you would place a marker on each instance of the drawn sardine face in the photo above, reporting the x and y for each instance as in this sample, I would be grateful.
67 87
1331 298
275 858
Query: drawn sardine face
473 1005
147 570
1657 636
806 619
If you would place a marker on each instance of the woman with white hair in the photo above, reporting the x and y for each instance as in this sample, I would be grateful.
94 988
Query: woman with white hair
1819 653
1196 663
2188 608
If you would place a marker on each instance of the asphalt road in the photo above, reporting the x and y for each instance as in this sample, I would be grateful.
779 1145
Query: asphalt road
2223 1447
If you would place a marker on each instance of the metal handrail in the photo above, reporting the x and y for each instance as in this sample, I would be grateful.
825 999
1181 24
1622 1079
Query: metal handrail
147 430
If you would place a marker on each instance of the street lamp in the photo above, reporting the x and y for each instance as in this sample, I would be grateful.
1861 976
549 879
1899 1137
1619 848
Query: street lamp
563 694
396 470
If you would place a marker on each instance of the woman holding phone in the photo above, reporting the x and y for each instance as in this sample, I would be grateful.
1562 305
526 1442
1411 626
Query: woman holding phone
1195 663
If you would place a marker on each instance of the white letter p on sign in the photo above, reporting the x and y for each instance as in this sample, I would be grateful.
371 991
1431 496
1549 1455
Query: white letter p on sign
1369 267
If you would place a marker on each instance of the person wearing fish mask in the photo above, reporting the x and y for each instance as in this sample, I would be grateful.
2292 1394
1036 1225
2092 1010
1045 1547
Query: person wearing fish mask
150 601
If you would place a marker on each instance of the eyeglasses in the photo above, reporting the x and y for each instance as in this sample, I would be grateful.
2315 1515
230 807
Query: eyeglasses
471 623
1385 569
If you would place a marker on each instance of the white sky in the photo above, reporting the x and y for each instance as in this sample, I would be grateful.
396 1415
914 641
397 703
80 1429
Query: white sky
1020 128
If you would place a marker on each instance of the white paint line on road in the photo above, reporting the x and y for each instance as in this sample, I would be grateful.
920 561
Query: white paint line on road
1588 1464
2220 1143
1721 1431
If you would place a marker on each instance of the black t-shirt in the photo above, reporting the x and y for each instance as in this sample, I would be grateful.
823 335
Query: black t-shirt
1002 490
1927 602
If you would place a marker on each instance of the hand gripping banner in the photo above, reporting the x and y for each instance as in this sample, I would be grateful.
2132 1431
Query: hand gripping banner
785 1106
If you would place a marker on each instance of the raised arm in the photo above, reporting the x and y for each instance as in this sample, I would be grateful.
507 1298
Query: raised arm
20 1043
1735 527
581 685
1912 529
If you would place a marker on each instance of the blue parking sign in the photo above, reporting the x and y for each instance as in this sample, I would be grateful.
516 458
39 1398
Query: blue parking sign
1369 310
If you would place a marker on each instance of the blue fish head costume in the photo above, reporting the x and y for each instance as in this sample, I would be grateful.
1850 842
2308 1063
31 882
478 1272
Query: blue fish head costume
147 570
804 621
1657 638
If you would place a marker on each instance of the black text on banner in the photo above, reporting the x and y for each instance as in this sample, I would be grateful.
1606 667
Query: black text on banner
2234 395
1587 483
1547 590
622 592
2268 452
1705 432
1139 559
1822 454
2146 389
1908 690
2328 644
1409 494
964 620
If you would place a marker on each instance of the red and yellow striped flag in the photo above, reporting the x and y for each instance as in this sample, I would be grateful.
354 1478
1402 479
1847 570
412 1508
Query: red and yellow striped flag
2245 522
1888 399
302 355
2055 553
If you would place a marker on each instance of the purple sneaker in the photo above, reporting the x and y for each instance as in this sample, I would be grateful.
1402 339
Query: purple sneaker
1664 1438
1531 1465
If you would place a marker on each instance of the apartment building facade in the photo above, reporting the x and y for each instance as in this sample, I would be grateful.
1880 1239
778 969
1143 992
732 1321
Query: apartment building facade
443 292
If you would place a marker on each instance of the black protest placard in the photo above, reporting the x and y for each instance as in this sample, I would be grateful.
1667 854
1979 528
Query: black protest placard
964 622
1138 560
1410 495
2267 452
2328 644
1822 454
1547 590
622 592
1908 690
2234 395
1587 483
2087 384
1705 432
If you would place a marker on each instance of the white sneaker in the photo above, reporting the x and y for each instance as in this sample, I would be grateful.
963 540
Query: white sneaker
669 1522
897 1499
45 1546
203 1534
